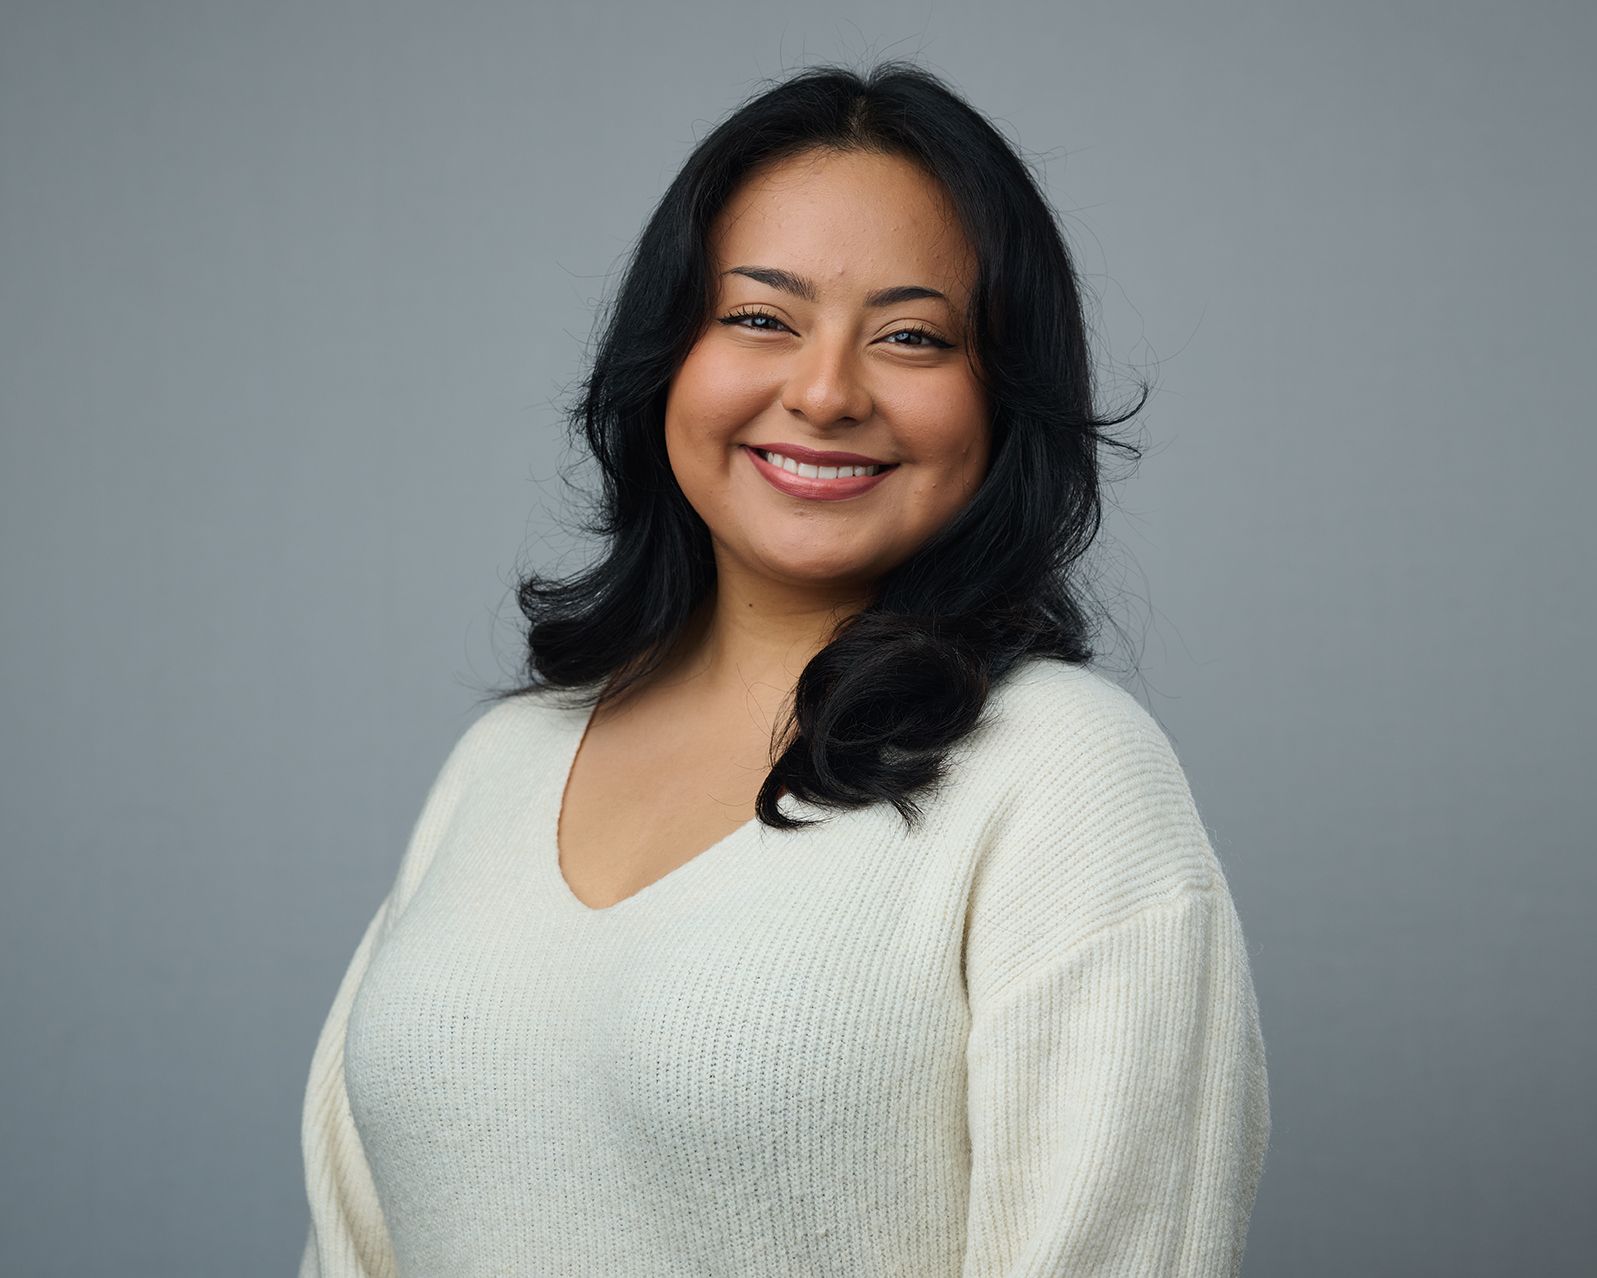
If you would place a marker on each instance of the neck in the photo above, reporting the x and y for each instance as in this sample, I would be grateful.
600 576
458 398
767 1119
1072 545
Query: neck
754 636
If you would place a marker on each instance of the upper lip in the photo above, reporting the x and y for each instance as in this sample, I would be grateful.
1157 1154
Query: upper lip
816 457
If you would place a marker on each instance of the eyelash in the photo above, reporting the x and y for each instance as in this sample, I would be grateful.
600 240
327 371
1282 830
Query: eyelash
937 343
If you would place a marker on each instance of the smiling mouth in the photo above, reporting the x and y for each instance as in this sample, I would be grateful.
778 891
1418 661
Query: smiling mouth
813 482
806 470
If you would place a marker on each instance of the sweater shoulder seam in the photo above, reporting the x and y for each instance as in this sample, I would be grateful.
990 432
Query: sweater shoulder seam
1191 892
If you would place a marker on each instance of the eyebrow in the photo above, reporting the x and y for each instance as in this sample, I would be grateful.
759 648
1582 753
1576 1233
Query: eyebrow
788 282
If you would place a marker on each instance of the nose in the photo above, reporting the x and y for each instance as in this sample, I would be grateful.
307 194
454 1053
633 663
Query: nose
825 384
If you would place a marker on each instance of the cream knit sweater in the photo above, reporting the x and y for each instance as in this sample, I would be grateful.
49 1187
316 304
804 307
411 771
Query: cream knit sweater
1022 1040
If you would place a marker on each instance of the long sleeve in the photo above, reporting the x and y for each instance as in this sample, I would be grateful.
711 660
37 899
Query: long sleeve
1118 1101
348 1236
1118 1106
347 1232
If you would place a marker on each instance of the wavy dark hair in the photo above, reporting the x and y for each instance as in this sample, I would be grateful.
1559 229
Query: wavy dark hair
899 682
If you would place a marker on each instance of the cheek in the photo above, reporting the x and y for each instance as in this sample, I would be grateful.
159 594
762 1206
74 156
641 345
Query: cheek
951 435
713 394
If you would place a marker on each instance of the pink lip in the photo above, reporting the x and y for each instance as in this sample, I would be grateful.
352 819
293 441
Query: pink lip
816 458
816 489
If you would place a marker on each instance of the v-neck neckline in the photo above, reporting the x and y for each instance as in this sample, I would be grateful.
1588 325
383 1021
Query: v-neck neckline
576 723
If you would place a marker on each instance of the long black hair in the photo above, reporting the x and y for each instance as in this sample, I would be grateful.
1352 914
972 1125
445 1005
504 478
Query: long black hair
899 682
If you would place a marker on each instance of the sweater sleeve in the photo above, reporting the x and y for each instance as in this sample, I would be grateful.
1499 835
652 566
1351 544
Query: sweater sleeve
348 1236
1118 1104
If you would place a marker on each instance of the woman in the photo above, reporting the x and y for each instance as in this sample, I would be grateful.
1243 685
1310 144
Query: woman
815 909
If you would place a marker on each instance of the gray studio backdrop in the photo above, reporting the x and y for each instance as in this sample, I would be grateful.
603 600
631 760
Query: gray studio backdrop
289 293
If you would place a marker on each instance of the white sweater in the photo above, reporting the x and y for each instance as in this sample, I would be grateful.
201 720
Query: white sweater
1022 1040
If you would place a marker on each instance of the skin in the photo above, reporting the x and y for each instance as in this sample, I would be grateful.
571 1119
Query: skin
673 767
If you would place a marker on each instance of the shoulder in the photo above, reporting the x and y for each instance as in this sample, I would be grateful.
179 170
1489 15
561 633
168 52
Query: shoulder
503 736
1055 736
1093 818
528 711
1048 706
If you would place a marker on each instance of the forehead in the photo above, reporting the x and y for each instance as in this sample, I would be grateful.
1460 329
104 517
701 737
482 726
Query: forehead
850 221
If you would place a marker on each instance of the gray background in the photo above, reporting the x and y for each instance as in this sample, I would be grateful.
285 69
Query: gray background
290 294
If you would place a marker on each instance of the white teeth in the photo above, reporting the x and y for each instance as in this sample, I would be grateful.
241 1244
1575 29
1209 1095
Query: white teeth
818 472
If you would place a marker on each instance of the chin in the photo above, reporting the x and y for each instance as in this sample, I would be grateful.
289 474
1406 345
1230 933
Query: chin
810 571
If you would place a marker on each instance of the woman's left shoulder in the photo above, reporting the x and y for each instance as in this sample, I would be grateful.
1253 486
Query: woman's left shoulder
1092 817
1050 716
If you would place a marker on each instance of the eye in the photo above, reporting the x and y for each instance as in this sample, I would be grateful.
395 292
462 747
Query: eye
927 339
915 330
737 317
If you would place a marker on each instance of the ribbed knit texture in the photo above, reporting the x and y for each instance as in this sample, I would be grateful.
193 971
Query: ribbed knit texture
1022 1040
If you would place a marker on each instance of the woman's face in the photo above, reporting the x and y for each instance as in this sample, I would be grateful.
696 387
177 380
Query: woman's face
799 354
